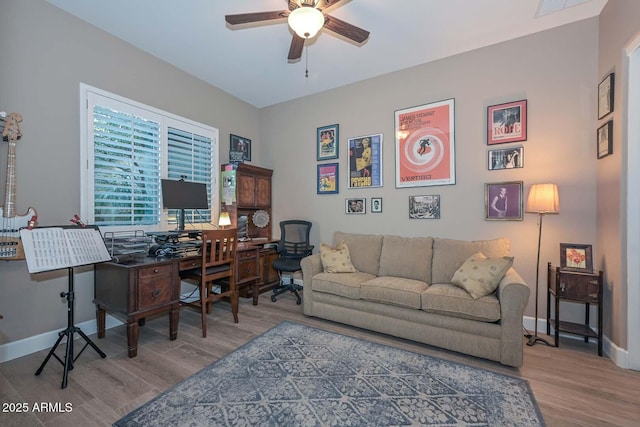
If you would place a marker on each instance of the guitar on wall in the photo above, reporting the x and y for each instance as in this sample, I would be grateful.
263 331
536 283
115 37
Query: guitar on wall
10 244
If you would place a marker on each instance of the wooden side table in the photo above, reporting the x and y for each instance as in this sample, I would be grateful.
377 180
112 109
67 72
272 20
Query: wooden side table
577 287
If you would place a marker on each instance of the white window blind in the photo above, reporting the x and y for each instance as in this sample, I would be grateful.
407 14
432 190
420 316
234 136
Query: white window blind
127 147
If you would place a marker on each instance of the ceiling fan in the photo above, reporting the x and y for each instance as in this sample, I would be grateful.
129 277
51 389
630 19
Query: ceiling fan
306 18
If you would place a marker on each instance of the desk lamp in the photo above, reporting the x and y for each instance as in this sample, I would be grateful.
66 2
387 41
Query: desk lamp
224 220
544 200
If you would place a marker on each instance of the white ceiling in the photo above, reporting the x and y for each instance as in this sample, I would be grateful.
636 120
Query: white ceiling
251 63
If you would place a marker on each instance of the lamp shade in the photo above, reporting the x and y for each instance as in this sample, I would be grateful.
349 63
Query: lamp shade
306 21
543 199
224 219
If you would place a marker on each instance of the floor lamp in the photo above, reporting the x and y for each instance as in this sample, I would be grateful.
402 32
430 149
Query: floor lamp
544 200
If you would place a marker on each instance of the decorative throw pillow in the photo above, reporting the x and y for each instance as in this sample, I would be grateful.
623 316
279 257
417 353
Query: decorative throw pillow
336 260
480 275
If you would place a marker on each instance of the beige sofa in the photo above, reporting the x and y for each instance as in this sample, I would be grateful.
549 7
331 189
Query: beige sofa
402 287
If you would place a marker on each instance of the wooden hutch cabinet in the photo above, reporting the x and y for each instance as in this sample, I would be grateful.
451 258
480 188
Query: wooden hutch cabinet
251 190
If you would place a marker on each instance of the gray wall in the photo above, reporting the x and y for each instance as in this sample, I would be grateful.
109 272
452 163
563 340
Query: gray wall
46 54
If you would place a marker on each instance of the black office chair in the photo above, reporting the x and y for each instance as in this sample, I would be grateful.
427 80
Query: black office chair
293 246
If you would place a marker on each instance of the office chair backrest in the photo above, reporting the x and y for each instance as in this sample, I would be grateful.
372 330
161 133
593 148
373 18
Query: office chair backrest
294 239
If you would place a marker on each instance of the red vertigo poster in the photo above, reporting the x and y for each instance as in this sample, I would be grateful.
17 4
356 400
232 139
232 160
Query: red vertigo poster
425 153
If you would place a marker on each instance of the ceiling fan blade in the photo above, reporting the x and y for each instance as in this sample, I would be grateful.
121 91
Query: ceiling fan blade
294 4
245 18
345 29
323 4
295 50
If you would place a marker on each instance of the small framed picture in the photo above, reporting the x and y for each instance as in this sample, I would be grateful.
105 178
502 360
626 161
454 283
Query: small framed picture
503 201
507 122
240 144
328 178
424 207
327 142
355 206
506 158
605 96
576 258
376 205
605 139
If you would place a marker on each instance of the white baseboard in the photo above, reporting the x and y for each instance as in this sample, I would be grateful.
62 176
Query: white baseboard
46 340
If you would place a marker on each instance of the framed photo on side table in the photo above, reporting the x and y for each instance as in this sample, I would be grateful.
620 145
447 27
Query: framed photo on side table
503 201
576 258
605 139
327 142
507 122
327 177
605 96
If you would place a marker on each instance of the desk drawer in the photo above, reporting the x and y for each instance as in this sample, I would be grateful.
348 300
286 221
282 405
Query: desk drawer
190 264
154 286
247 269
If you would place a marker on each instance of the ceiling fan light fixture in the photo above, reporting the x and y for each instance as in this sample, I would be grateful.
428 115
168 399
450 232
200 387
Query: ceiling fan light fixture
306 21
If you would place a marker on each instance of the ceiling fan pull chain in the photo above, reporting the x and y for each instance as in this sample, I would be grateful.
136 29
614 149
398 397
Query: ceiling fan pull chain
306 58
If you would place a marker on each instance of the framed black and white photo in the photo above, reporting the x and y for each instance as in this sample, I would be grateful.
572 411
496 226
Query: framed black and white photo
376 205
605 139
424 207
355 205
506 158
605 96
240 144
503 201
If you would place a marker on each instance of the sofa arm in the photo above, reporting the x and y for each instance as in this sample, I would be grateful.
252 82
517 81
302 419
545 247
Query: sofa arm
513 294
311 266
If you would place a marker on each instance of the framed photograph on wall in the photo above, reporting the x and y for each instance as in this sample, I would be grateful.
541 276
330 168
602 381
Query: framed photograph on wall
507 122
576 258
506 158
376 205
365 161
327 142
605 96
241 144
424 207
327 176
605 139
503 201
425 145
355 205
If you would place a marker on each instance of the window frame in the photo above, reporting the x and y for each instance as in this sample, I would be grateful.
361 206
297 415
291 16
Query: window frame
88 94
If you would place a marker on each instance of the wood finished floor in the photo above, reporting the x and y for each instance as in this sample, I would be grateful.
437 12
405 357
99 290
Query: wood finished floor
572 385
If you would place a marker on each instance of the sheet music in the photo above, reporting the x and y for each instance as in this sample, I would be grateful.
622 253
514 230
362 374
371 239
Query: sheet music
54 248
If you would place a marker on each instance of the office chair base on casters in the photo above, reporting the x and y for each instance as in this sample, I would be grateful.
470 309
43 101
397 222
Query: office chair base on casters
287 287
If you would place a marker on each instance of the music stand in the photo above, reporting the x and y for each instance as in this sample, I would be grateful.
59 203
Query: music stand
53 248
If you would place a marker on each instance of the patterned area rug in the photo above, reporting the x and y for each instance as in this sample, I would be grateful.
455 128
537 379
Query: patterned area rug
295 375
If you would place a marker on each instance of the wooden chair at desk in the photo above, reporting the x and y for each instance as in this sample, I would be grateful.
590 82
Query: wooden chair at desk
218 254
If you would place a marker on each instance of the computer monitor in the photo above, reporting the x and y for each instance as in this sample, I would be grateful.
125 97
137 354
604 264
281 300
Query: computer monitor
181 195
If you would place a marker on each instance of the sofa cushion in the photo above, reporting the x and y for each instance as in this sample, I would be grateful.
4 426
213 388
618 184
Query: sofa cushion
343 284
450 254
408 257
450 300
364 250
394 290
480 275
336 260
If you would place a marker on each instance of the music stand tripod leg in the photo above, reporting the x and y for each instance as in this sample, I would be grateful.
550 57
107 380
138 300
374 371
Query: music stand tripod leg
68 332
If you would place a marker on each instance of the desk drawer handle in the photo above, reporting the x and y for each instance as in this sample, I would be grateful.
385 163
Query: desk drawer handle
563 287
155 293
155 270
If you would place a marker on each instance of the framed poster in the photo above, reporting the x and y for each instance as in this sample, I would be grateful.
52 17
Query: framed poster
376 205
327 177
355 206
424 207
239 143
503 201
605 139
365 161
507 122
605 96
506 158
327 142
424 146
576 258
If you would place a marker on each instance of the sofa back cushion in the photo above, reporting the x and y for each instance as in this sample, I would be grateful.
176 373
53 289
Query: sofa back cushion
364 250
408 257
450 254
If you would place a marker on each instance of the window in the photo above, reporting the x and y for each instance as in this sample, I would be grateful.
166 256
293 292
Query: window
127 148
